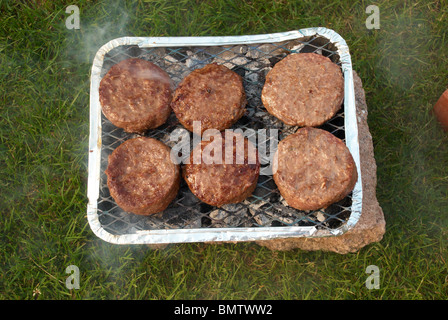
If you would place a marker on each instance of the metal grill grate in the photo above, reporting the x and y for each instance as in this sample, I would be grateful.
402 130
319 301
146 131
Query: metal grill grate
265 208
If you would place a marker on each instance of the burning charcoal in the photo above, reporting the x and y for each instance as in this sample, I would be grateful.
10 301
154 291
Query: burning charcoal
287 130
222 55
229 215
205 208
254 53
265 50
274 60
154 55
267 121
285 214
297 48
320 216
310 49
252 77
262 193
231 59
176 69
244 120
265 213
206 222
154 221
262 220
197 60
239 70
267 67
340 211
178 218
242 49
261 114
255 66
134 51
238 61
283 201
253 90
189 199
258 211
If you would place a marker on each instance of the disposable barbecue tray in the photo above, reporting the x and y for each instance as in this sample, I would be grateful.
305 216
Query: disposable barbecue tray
264 215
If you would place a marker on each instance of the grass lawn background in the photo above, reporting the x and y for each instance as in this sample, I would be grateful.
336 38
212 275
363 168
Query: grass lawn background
44 127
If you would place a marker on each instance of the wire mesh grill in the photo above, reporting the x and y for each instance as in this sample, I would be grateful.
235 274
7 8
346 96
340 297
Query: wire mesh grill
265 207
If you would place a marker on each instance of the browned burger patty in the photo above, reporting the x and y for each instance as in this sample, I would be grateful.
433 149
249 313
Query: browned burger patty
225 182
304 89
213 95
314 169
135 95
141 177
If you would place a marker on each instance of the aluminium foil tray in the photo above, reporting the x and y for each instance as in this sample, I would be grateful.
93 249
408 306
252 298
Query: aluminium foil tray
262 216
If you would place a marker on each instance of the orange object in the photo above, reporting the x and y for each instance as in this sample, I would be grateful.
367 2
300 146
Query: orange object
440 110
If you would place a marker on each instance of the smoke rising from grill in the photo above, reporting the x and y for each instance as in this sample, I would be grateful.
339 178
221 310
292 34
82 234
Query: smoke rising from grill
85 42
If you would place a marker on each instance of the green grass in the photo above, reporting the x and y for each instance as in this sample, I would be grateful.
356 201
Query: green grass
44 101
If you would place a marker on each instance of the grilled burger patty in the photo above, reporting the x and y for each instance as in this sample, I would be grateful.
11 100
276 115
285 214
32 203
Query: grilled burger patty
313 169
304 89
226 182
141 177
213 95
135 95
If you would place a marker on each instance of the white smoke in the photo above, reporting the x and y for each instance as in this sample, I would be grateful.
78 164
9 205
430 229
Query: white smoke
97 27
